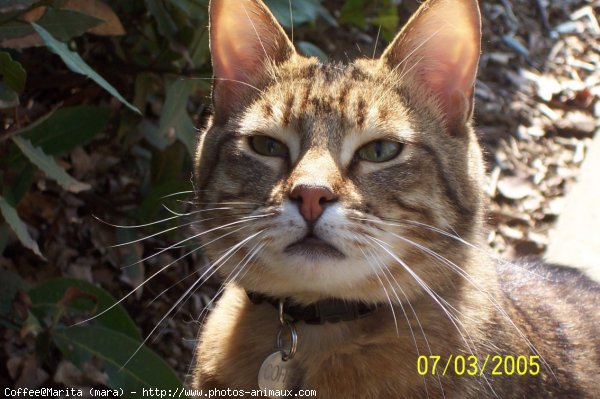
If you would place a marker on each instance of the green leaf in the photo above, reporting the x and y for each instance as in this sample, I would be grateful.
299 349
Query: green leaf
76 64
49 166
302 11
312 50
67 128
22 182
16 224
175 116
143 88
198 48
156 197
186 133
14 29
4 234
166 25
150 132
10 283
353 12
193 8
45 296
12 72
134 271
8 97
63 24
145 370
388 20
66 24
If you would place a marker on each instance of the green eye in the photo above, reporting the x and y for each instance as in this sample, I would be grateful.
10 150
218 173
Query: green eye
265 145
380 151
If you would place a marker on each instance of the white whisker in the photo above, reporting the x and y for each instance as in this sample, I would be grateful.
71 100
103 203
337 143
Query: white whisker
190 289
453 319
384 290
241 220
151 277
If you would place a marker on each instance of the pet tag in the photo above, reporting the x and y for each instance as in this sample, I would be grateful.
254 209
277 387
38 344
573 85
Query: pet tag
276 375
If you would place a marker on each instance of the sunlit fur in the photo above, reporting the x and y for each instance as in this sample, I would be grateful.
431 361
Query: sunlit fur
410 228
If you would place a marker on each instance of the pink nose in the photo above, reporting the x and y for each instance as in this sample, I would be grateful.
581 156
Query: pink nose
311 200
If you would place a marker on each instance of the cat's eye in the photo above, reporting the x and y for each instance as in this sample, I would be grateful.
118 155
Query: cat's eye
268 146
380 151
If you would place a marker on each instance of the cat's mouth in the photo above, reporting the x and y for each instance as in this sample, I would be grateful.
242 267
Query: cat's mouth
313 247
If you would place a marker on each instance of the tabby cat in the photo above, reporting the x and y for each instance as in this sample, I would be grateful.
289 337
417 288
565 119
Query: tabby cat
347 223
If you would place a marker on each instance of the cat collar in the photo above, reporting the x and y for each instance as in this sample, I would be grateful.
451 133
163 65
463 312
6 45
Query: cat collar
331 310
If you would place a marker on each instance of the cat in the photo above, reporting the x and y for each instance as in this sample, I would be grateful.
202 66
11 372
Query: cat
347 225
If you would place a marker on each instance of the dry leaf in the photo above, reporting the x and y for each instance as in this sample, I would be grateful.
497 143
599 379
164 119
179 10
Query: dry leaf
31 375
577 122
515 188
34 14
17 43
112 25
70 375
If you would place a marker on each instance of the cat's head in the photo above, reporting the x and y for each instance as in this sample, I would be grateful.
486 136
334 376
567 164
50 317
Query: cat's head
337 179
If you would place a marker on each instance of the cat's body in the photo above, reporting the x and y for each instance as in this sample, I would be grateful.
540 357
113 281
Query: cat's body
362 182
367 358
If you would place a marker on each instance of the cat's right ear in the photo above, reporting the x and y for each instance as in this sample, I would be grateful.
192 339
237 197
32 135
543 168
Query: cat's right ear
245 40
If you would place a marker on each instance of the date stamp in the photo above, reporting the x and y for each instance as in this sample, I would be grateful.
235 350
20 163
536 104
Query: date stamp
475 366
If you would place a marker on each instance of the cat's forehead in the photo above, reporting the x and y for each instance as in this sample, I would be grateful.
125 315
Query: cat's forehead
330 101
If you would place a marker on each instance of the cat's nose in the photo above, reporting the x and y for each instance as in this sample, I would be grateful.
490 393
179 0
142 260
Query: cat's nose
312 199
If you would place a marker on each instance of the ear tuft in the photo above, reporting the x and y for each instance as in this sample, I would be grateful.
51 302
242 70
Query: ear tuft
245 40
438 51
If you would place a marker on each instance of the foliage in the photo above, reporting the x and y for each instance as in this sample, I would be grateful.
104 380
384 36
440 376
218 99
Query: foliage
152 62
53 308
385 15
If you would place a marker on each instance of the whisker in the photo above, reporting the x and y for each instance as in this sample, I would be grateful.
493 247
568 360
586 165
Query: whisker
384 290
255 31
222 287
291 19
474 283
453 319
490 254
213 203
403 61
208 305
157 221
174 212
376 42
178 193
152 276
160 232
242 220
190 289
485 376
205 278
386 268
231 80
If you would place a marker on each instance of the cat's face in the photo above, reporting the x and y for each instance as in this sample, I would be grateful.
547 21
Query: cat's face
335 175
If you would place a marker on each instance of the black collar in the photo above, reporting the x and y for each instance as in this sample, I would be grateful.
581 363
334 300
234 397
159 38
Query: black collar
328 310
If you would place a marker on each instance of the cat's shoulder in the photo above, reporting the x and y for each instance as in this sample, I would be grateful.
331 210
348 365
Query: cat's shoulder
537 279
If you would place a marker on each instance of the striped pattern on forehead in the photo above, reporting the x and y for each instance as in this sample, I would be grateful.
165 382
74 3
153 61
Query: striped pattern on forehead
344 93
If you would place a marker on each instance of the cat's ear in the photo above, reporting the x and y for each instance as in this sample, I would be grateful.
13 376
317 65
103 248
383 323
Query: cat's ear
437 52
245 39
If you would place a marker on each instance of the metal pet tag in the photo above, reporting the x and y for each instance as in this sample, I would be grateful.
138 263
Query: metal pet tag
275 374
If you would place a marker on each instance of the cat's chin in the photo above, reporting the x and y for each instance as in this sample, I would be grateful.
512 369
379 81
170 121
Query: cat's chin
313 248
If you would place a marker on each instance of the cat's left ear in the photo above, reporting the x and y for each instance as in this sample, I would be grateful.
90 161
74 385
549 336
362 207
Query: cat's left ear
437 52
245 38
